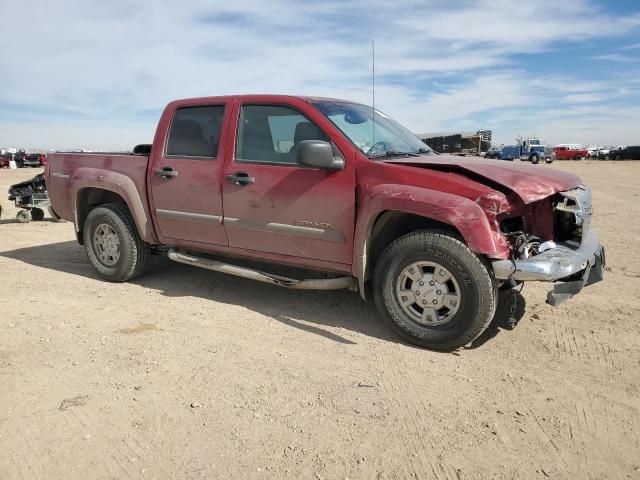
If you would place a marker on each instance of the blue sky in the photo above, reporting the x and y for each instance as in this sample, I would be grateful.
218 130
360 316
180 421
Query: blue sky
89 74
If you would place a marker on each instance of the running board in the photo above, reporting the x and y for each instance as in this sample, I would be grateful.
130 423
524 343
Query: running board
311 284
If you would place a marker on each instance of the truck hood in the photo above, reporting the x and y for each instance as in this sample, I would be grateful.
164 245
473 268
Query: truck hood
529 182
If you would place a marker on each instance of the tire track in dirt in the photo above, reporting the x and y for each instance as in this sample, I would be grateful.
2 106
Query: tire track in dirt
585 346
412 417
28 465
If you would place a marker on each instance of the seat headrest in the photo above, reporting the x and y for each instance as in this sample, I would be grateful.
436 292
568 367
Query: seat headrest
307 131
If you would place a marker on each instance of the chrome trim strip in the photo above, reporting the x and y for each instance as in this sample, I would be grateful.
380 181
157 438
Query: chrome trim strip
189 216
329 235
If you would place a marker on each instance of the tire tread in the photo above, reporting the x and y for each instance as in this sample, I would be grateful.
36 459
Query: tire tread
141 250
479 268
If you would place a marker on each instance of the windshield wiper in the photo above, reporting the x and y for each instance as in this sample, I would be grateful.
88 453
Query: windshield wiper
393 153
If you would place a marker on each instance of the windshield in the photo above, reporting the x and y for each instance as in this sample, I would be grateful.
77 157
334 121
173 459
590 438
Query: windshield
380 138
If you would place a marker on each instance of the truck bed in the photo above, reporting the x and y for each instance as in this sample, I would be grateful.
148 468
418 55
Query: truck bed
67 173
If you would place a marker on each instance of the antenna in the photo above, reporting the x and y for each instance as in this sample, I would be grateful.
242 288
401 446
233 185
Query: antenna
373 89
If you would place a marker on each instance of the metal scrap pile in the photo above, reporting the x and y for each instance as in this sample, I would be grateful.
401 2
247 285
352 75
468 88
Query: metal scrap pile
23 190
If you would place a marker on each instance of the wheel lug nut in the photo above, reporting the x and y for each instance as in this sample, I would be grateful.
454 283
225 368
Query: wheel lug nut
438 292
435 302
421 283
424 302
417 292
432 283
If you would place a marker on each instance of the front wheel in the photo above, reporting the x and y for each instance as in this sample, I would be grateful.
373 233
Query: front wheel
433 291
534 159
23 216
112 243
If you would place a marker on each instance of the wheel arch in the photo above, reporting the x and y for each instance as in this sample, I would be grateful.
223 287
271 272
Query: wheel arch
93 187
388 226
89 198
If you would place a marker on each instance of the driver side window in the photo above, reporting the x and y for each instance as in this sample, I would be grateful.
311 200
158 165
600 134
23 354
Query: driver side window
270 134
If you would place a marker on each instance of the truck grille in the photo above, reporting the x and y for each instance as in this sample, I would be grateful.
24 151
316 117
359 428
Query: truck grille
572 216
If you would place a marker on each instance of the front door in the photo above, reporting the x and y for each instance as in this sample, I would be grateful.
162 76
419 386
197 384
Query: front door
273 205
185 177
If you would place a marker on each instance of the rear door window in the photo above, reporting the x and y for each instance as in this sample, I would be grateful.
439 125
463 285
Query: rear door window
195 132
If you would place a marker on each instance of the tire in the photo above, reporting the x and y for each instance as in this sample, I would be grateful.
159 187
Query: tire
534 159
23 216
578 157
37 214
112 243
468 275
606 157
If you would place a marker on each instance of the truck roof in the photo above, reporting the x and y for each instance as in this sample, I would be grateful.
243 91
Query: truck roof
257 97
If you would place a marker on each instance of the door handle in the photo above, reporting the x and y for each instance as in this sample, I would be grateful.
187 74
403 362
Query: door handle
241 178
166 173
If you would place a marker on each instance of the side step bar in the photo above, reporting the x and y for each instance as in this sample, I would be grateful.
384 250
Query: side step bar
311 284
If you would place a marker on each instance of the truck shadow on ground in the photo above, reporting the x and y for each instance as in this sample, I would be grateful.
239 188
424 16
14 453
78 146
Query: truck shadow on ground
310 311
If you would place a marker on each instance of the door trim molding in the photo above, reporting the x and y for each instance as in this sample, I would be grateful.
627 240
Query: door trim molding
189 216
329 235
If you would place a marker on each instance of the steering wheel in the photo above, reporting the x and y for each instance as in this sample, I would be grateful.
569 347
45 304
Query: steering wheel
381 146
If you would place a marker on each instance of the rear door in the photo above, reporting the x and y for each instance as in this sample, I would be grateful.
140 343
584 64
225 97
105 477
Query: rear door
184 177
273 205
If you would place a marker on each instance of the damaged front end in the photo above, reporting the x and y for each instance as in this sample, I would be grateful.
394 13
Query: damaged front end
552 241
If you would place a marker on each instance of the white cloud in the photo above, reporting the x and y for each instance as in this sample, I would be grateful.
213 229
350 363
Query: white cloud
96 74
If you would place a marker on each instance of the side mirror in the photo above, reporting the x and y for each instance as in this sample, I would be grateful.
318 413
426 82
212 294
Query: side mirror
318 154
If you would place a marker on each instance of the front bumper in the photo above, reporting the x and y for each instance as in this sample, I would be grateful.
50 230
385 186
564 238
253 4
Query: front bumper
573 268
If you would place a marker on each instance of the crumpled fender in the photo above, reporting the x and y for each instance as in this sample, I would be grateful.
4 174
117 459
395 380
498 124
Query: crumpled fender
87 177
465 215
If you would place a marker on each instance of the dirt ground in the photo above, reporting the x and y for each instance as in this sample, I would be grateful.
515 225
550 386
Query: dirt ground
186 373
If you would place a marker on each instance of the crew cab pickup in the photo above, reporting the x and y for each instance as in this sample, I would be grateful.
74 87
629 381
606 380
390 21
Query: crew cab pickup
570 152
342 192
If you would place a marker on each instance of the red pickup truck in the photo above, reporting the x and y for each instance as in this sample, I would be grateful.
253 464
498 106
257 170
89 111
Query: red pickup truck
570 152
341 191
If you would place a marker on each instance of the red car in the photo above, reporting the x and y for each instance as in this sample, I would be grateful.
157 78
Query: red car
570 152
341 191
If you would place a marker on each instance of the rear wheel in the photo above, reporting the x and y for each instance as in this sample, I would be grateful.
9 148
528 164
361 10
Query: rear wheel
112 243
433 291
37 215
578 157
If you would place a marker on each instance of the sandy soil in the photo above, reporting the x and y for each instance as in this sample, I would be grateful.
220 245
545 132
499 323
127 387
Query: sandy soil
191 374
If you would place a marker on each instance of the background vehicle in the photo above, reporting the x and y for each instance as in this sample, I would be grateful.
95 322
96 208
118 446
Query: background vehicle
34 160
305 182
626 153
5 158
600 153
505 152
462 143
536 153
533 150
570 152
